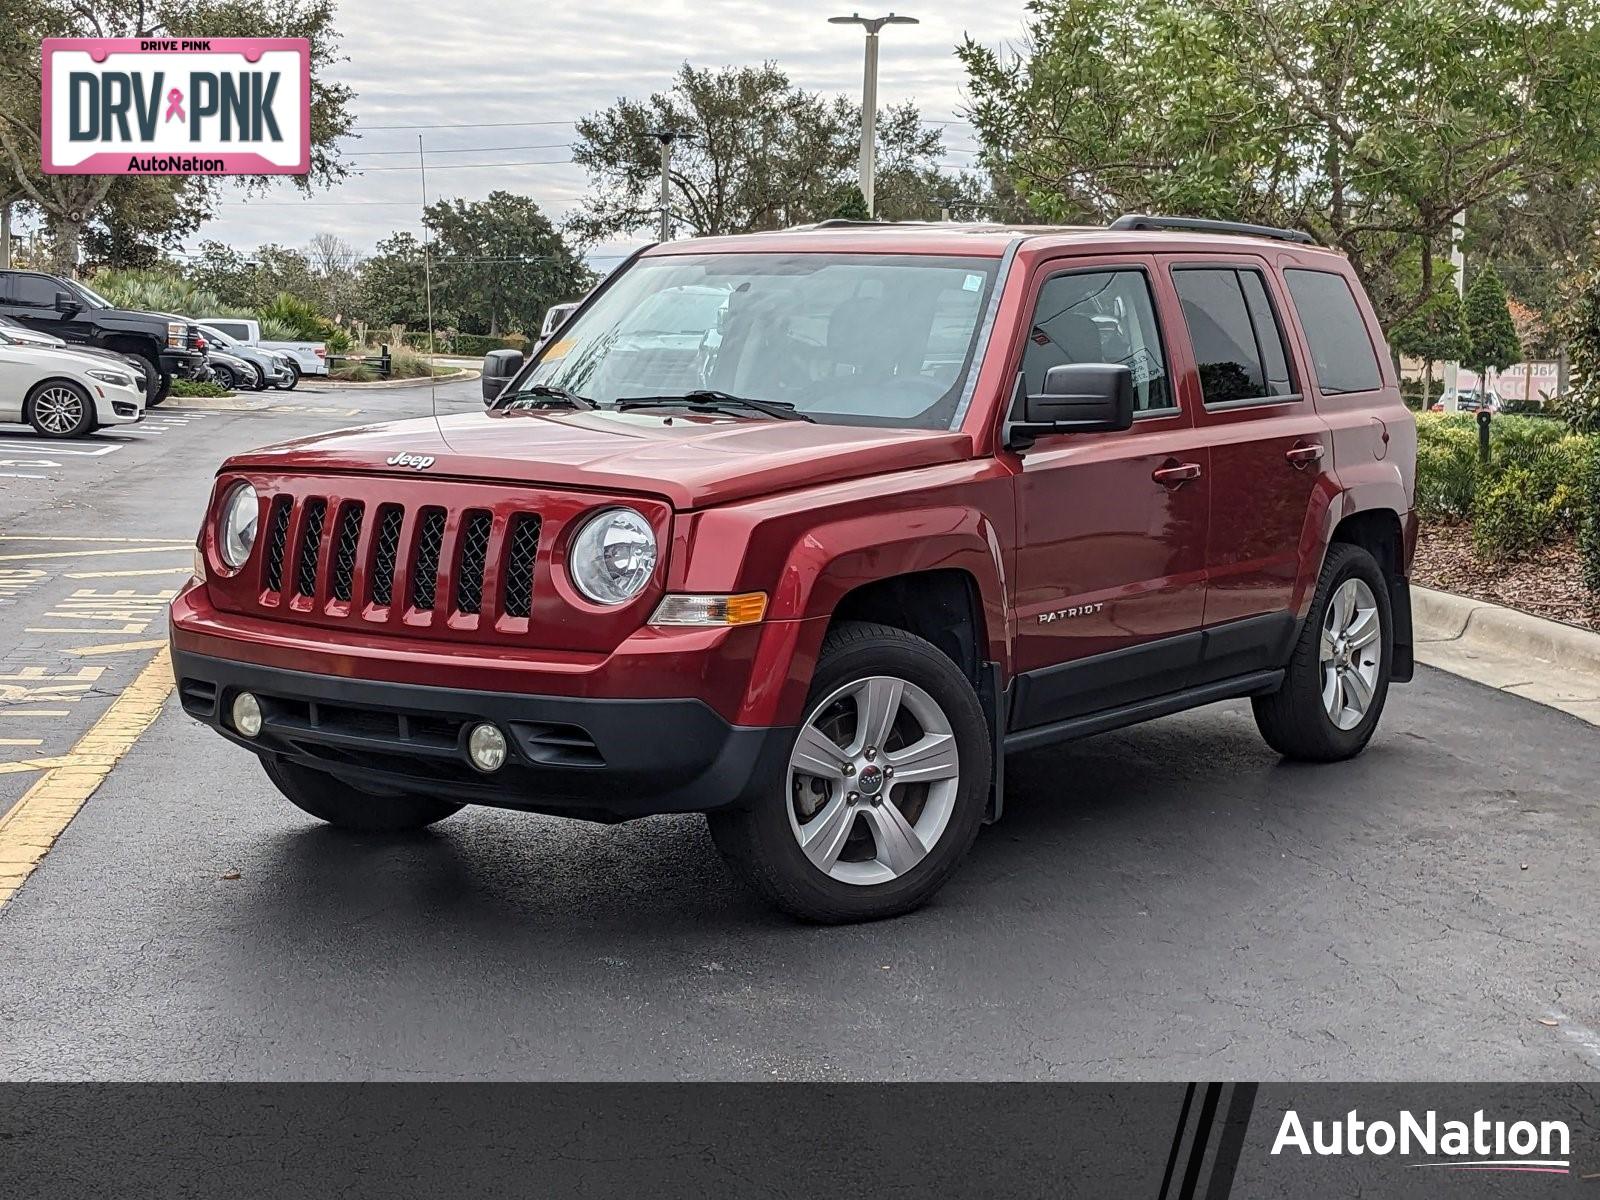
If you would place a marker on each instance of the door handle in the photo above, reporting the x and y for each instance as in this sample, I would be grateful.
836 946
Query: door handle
1175 474
1301 457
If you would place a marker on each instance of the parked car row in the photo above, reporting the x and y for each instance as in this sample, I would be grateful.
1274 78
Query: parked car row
66 391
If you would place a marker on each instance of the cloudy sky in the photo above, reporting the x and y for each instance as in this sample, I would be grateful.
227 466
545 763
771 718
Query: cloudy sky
502 80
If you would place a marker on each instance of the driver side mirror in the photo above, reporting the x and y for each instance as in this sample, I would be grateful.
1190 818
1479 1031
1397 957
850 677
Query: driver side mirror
67 303
499 368
1076 398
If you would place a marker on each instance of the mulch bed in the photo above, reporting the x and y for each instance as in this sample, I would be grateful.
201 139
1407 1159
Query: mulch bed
1548 583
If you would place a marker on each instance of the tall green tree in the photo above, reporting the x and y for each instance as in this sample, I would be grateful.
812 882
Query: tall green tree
1491 334
753 152
499 263
391 289
1369 123
1436 332
71 203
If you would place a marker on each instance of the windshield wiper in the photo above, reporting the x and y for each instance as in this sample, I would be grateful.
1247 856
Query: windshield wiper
550 395
715 401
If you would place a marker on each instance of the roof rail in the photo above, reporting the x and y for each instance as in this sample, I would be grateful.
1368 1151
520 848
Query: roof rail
1205 225
859 223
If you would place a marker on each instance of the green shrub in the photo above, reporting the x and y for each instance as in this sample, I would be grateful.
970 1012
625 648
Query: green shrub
1589 529
1447 465
1510 515
471 345
354 372
406 363
191 387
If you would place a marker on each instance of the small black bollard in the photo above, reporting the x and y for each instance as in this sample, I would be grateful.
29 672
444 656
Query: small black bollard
1484 417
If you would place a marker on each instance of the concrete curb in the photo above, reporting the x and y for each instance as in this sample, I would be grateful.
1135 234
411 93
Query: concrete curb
1445 616
1538 659
335 385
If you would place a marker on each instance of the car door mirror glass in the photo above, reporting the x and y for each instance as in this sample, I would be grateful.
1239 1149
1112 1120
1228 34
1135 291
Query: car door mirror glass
67 303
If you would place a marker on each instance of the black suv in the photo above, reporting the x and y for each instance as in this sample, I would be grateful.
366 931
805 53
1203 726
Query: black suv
168 346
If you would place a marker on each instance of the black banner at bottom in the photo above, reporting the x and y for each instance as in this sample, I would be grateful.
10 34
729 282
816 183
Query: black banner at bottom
1161 1141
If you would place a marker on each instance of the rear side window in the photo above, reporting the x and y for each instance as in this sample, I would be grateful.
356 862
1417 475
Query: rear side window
232 329
1100 317
1341 351
35 291
1237 341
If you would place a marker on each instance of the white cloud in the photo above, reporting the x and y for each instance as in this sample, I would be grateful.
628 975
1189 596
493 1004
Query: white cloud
417 62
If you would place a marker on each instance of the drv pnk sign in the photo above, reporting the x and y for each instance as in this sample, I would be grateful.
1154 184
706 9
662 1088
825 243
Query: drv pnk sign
177 106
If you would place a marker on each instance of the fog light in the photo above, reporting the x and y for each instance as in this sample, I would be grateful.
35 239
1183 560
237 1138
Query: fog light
486 747
247 714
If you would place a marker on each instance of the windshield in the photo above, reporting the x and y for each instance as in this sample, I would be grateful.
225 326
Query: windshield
856 339
93 297
216 337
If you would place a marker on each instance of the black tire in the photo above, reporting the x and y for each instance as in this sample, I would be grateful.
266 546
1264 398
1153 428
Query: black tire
82 426
151 373
759 842
258 381
1294 720
224 377
347 807
163 389
294 378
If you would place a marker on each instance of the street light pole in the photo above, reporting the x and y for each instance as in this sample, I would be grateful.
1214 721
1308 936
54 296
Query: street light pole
869 96
665 137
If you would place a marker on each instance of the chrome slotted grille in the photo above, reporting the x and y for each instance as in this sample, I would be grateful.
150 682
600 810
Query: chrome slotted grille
344 561
386 548
451 561
474 543
310 546
425 571
277 532
517 600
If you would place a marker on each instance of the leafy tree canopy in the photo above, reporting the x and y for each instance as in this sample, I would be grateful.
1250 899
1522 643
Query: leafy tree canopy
1491 334
753 152
1369 123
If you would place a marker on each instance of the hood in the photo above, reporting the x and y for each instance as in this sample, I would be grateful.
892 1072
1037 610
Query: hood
84 357
691 459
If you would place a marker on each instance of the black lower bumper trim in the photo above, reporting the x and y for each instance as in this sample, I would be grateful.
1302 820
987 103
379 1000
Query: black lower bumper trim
606 760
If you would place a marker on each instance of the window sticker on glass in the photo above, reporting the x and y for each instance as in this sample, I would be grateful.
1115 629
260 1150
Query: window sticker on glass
1144 365
558 350
973 283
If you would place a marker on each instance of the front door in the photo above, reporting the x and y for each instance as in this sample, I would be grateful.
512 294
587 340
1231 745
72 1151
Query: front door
1110 565
1267 445
31 299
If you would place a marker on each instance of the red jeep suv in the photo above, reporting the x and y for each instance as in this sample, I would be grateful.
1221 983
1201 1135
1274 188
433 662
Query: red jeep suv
807 530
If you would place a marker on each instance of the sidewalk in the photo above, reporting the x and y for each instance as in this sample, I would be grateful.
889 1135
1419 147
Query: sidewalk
1544 661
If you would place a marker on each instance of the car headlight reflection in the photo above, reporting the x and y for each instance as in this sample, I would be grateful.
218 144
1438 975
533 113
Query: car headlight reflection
613 556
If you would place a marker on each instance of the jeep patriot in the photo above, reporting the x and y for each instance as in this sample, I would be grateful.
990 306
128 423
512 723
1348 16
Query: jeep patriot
807 530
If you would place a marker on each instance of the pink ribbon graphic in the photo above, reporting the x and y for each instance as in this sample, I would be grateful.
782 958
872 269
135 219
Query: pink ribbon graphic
175 105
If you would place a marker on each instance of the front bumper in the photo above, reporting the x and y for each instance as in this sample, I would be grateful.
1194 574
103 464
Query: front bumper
183 364
118 406
601 759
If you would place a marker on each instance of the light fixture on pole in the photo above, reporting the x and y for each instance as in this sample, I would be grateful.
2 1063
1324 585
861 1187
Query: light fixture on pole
666 138
869 94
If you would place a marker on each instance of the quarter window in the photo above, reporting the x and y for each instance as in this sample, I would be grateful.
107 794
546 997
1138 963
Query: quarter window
1099 317
1238 344
1341 351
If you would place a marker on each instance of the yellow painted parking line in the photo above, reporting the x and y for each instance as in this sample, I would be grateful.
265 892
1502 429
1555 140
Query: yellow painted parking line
167 549
118 647
39 764
21 741
33 712
32 825
126 574
42 537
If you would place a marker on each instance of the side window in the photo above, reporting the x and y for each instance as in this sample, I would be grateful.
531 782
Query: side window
35 291
1105 317
1341 351
232 330
1238 344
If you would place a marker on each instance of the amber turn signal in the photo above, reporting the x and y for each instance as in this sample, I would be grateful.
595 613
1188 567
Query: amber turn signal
744 609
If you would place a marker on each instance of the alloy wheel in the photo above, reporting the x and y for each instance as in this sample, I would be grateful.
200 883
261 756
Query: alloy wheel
59 409
1350 652
873 780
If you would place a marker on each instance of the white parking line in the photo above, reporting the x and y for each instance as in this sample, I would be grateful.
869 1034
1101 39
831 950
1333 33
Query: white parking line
50 447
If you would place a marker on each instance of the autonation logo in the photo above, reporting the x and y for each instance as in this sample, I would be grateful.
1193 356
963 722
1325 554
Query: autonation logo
1476 1145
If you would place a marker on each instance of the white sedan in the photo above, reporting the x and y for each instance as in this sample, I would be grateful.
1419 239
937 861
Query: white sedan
62 393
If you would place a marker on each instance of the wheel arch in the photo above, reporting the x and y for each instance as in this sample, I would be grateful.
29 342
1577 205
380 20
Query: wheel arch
1382 533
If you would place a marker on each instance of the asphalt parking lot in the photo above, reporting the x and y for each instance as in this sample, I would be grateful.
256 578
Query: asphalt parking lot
1161 903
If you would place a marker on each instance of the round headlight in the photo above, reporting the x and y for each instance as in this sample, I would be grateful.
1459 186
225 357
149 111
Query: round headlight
236 530
613 556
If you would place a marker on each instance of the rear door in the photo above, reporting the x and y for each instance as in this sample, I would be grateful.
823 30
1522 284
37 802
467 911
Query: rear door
1110 563
1267 447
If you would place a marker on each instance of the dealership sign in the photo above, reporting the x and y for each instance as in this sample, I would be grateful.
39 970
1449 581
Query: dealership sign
177 106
